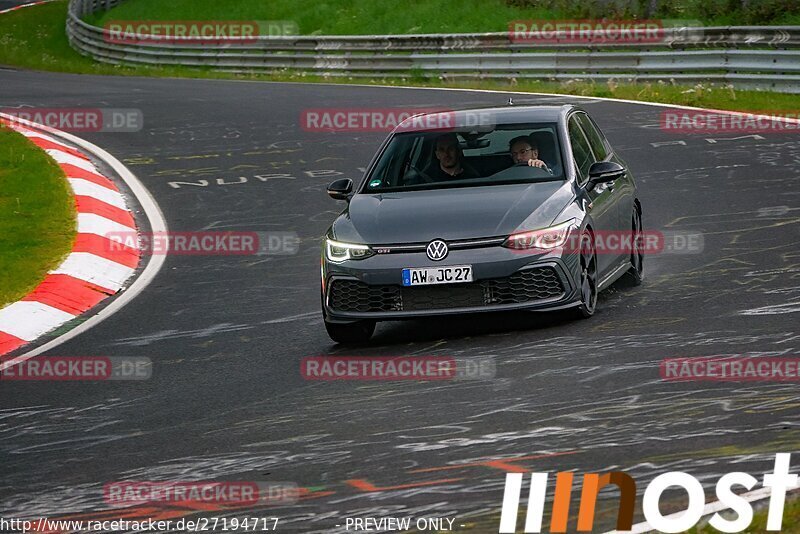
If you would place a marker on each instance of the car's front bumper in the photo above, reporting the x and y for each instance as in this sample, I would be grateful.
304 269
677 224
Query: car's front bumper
503 279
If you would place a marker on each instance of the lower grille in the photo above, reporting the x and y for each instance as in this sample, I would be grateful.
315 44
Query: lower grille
355 296
524 286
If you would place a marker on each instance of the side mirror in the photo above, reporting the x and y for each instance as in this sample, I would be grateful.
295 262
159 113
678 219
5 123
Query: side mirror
340 189
603 172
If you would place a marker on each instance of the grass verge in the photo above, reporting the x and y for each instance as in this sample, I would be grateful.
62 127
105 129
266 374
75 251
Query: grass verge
37 215
34 38
352 17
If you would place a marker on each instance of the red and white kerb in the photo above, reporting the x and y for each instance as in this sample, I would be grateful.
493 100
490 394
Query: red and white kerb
94 270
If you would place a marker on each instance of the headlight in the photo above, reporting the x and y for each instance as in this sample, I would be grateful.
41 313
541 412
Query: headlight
338 251
546 238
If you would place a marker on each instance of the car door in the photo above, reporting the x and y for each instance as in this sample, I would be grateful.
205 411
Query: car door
623 187
602 206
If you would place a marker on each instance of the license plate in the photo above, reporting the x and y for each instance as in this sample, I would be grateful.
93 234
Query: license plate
451 274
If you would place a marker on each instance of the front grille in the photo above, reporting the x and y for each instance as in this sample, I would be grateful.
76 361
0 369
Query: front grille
524 286
355 296
443 297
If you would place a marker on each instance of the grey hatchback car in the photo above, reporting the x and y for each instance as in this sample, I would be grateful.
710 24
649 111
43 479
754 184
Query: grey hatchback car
477 211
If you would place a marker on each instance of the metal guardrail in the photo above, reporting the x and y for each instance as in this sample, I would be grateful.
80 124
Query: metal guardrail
745 56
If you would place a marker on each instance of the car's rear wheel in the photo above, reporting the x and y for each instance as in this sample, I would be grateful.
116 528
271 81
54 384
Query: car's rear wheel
588 279
357 332
636 273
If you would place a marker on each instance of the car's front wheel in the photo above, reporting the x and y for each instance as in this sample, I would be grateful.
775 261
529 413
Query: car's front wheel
588 279
636 272
357 332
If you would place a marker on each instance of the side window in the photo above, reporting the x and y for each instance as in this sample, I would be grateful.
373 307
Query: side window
580 149
596 139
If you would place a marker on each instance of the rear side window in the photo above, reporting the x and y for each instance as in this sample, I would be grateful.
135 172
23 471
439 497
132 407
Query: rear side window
580 148
596 139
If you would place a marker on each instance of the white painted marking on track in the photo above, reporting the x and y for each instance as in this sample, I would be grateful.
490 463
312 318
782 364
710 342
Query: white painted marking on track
63 157
96 270
28 133
28 320
668 143
86 188
90 223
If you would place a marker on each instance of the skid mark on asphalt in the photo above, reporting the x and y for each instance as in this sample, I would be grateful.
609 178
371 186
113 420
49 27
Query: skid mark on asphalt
624 422
208 332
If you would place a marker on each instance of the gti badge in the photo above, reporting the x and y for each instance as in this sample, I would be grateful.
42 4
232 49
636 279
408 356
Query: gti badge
437 250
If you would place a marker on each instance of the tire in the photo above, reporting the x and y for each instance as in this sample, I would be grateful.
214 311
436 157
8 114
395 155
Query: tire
358 332
588 277
635 275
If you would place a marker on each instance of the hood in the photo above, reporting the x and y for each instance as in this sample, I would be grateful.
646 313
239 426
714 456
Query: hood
450 214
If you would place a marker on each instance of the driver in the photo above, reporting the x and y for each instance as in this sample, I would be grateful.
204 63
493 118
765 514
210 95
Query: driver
451 160
524 150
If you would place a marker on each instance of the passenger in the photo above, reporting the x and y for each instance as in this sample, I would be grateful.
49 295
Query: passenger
451 161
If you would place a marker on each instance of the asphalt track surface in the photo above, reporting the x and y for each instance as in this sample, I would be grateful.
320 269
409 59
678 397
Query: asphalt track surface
226 334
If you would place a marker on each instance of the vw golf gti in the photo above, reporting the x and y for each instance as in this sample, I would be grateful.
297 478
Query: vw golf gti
458 215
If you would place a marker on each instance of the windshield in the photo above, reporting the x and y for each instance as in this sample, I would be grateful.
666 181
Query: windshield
507 154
